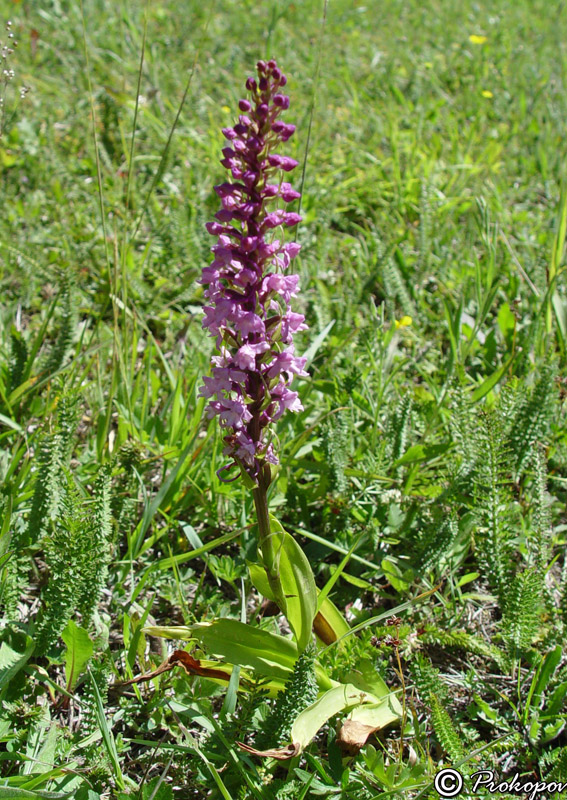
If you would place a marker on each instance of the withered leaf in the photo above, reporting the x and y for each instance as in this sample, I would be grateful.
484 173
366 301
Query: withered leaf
179 658
323 630
280 753
353 735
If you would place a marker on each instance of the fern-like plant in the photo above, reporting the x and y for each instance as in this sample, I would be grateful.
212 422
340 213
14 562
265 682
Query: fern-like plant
493 502
446 731
64 338
522 611
299 692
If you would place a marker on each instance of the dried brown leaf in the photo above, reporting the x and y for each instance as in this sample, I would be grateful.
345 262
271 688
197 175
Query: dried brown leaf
353 735
280 753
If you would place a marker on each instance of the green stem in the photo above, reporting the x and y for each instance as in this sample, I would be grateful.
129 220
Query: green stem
266 540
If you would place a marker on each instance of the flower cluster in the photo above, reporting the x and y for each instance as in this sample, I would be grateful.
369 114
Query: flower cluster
248 289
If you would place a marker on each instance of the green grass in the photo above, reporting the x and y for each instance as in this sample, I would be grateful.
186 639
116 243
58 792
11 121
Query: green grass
435 188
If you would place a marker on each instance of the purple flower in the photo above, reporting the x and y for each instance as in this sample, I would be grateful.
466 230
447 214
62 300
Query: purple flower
247 286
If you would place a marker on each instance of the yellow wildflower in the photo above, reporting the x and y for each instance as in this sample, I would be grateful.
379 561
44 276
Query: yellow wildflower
487 93
474 38
226 109
404 322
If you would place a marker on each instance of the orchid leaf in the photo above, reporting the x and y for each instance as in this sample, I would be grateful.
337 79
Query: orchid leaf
328 624
253 648
367 709
366 678
298 584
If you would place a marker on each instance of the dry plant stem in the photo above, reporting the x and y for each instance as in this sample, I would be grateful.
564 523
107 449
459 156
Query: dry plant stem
404 710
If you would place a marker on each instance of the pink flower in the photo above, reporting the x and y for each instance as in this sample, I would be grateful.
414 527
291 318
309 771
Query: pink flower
245 357
249 295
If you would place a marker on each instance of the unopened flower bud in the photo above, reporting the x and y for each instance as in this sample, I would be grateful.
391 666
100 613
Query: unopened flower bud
281 100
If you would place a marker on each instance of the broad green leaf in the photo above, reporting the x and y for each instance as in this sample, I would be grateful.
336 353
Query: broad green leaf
79 651
552 730
328 624
85 793
309 721
252 648
366 678
298 584
41 745
378 715
506 320
398 579
260 580
546 669
470 576
156 789
556 700
181 632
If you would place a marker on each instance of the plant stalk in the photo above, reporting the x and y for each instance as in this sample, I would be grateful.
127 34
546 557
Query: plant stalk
266 540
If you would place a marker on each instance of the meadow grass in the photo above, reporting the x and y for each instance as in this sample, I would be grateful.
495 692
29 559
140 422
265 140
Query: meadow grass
432 444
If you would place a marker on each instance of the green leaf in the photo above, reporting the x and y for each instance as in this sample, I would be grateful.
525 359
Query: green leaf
324 593
556 700
260 581
79 651
107 737
14 793
328 615
421 452
366 678
156 789
40 750
261 651
378 715
136 544
470 576
340 698
399 580
546 669
10 423
12 661
312 350
506 320
297 582
552 730
491 381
